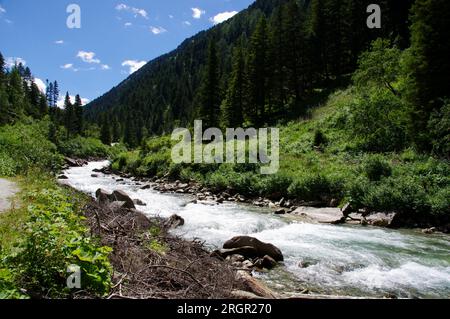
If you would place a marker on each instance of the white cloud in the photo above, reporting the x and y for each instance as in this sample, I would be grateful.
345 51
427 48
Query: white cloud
197 13
68 66
40 84
170 16
2 10
135 11
186 23
105 67
88 57
128 24
223 16
62 98
157 30
59 42
11 61
134 65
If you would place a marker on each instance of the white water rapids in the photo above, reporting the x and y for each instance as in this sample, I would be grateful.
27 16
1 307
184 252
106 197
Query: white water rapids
341 260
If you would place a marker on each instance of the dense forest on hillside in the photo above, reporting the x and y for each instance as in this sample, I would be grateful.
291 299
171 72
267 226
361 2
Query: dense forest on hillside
269 62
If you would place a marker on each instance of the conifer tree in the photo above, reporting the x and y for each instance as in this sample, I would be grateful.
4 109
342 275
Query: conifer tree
429 64
258 75
210 90
78 112
105 133
236 99
69 115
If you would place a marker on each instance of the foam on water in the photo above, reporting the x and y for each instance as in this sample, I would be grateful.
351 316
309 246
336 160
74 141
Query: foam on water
346 260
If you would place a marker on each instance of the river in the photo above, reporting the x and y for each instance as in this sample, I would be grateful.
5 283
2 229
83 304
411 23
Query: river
341 260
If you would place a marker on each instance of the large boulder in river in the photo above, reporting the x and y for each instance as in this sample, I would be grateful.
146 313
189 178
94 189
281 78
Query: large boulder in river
261 248
246 251
326 215
382 219
121 196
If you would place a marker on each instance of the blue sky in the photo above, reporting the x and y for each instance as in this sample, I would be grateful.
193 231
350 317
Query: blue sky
115 38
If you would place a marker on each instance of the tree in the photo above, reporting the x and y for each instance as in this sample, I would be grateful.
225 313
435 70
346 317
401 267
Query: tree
105 133
55 93
235 101
116 132
49 94
258 75
428 65
78 113
69 115
379 67
210 89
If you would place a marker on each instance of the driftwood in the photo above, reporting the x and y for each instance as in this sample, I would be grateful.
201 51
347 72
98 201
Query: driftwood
179 269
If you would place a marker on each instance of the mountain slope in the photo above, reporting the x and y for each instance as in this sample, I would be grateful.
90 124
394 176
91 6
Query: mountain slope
162 94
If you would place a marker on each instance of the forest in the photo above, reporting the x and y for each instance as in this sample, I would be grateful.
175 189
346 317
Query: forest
277 59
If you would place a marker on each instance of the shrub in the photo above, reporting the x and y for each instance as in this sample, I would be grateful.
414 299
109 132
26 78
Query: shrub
25 145
316 187
319 138
376 167
55 239
82 147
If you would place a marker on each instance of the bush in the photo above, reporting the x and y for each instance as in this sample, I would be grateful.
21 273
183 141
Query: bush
23 146
317 187
81 147
319 138
55 239
376 167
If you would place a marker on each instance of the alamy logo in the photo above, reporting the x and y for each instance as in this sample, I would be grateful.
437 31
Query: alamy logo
237 144
74 280
374 19
74 19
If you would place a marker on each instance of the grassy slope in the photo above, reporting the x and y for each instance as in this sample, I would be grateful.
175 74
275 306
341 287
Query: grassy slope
407 182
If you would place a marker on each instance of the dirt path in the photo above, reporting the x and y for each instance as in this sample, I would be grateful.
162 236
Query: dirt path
7 190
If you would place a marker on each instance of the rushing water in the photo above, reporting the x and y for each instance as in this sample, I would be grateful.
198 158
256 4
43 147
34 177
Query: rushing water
342 260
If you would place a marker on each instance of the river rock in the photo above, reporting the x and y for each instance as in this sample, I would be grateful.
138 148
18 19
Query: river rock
117 206
145 187
381 219
280 211
261 248
103 197
75 162
62 177
174 221
94 175
321 215
138 202
246 251
266 262
121 196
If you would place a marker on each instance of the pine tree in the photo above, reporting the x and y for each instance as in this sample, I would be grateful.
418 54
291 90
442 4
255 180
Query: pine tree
16 96
429 64
2 70
130 133
116 134
49 94
55 93
210 90
236 98
78 113
43 108
105 132
69 115
258 74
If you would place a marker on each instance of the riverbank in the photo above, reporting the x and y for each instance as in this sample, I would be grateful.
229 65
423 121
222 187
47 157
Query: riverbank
310 211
